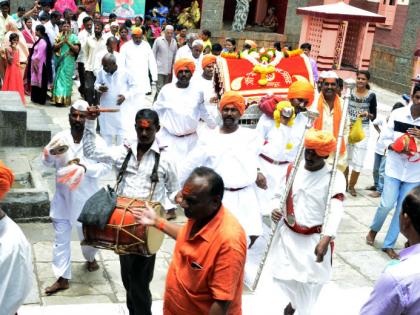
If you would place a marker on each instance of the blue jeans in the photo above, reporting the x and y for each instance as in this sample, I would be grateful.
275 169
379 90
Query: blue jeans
394 193
379 171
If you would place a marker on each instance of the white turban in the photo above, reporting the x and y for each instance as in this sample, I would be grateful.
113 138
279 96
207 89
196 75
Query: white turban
328 75
169 28
80 105
115 23
198 42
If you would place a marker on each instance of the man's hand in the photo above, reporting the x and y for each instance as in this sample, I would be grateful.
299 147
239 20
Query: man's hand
276 215
321 248
145 215
415 132
261 181
178 198
103 88
92 113
214 100
120 99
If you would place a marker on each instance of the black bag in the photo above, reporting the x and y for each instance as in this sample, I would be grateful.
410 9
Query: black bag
100 206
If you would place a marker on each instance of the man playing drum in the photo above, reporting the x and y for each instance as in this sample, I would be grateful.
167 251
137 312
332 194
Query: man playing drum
137 270
206 272
76 183
302 256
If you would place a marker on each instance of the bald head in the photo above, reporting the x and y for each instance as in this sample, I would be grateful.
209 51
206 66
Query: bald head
109 63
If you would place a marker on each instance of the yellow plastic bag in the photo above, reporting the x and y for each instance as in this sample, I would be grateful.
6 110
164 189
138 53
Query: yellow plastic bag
356 131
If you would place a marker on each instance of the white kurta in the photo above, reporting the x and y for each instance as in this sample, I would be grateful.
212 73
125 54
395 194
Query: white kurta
66 205
294 253
139 59
118 83
207 87
234 157
16 271
179 112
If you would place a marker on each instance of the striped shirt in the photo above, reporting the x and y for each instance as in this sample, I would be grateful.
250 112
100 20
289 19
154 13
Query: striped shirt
136 182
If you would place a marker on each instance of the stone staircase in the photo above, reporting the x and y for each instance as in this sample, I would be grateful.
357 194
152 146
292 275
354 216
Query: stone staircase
16 129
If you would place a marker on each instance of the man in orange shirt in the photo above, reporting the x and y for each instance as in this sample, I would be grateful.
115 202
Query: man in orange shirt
206 273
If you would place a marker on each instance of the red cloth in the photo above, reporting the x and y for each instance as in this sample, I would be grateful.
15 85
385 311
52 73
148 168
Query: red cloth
6 179
13 80
268 104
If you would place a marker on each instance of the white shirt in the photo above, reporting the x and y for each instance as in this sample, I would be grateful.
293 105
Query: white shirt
94 51
164 53
233 156
207 87
181 109
16 271
398 165
184 52
140 60
52 31
380 147
83 36
118 83
80 19
67 204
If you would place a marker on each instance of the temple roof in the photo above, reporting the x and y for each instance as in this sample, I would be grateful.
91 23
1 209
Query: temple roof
341 11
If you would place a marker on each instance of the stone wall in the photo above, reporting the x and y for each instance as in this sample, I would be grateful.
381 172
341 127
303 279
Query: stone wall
294 22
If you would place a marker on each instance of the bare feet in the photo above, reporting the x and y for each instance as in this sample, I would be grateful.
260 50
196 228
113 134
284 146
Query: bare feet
252 239
374 194
92 265
289 310
59 285
352 191
391 253
171 214
370 238
372 188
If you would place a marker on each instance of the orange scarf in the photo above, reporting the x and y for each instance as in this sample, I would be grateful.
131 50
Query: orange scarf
337 118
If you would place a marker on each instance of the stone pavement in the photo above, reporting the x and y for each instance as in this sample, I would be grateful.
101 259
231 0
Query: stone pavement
356 265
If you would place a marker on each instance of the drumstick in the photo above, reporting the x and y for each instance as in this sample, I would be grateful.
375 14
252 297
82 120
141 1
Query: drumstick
105 110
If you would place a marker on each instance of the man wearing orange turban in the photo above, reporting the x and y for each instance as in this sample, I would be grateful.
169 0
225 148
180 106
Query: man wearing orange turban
232 151
302 259
208 60
16 271
235 99
301 93
184 64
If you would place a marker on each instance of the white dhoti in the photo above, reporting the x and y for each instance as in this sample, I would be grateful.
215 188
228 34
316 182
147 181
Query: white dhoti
62 249
357 152
245 207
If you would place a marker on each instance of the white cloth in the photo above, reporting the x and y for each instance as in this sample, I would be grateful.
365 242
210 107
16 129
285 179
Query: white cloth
52 31
207 87
164 53
61 263
179 112
293 253
16 271
119 83
234 157
80 18
380 147
140 60
68 204
94 51
398 165
184 52
357 152
83 36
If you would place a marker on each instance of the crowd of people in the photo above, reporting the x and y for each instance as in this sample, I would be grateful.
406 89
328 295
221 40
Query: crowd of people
224 176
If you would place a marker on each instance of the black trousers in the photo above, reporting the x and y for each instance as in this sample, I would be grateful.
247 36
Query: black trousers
91 96
81 71
136 274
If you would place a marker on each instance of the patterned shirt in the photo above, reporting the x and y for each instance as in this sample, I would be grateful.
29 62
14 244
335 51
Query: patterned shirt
136 181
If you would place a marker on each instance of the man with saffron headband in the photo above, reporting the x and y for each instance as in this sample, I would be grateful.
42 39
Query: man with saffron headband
282 138
139 59
205 83
16 269
232 151
330 109
180 106
145 151
75 184
301 255
207 268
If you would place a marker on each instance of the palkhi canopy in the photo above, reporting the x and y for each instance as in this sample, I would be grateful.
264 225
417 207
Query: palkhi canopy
341 11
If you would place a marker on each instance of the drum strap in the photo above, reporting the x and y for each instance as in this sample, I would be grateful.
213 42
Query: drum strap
123 169
154 178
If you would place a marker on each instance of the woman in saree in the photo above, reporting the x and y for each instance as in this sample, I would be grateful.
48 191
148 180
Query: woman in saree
66 48
39 66
11 28
30 39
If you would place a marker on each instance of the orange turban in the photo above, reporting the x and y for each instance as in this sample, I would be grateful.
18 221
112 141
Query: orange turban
6 179
208 59
184 64
302 89
323 142
137 31
233 98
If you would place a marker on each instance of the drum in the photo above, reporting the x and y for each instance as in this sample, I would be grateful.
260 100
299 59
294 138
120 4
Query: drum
122 234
